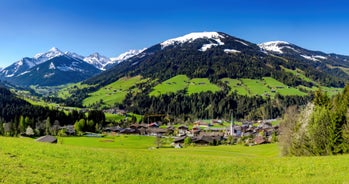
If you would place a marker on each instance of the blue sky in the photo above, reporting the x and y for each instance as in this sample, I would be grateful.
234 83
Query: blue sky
111 27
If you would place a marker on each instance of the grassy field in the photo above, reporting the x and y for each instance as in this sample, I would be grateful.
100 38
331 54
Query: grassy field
236 85
112 93
172 85
181 82
281 88
198 85
95 160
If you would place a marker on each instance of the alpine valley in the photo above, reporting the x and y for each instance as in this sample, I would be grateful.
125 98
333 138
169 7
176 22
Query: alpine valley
198 75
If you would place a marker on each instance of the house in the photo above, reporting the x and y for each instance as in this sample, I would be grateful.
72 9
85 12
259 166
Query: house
182 130
259 140
129 131
47 139
157 131
201 124
207 140
68 129
112 129
179 140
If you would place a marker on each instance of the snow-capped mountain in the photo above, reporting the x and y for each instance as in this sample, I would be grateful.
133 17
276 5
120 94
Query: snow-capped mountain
214 37
60 65
56 71
43 57
98 60
275 46
18 67
217 55
331 63
127 55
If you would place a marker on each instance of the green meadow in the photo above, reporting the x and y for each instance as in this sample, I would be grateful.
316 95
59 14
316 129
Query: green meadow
182 82
129 159
112 93
265 86
172 85
198 85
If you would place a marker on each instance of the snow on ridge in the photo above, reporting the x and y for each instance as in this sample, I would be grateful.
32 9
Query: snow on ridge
273 46
320 57
126 55
52 53
23 73
193 36
231 51
309 58
207 46
243 43
314 58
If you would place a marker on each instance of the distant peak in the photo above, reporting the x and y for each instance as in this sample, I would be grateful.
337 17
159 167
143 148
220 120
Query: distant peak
127 55
54 49
193 36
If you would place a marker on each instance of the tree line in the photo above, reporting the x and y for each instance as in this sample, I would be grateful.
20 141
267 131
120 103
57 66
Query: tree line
16 115
320 128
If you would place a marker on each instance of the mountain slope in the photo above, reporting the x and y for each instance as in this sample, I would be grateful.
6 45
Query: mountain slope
216 55
98 61
333 64
56 71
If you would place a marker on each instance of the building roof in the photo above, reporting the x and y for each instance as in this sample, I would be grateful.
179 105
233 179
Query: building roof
47 138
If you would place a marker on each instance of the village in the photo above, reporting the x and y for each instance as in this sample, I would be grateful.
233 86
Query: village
205 133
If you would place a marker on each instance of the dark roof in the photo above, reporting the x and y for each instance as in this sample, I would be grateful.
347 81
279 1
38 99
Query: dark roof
158 130
179 139
47 138
183 127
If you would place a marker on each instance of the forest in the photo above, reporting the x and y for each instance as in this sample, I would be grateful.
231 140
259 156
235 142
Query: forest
17 115
319 128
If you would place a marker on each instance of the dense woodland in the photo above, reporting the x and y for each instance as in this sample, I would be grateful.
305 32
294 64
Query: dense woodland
17 115
320 128
210 105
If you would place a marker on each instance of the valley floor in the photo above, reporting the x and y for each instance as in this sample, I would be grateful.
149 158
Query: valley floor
121 160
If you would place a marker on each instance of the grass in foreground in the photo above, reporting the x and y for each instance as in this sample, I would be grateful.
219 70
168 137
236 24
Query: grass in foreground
26 161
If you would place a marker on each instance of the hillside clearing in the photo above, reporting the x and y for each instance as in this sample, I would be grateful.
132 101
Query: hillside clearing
112 93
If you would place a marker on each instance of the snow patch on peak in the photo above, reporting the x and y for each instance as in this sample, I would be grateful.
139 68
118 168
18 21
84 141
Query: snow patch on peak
274 46
97 60
54 49
193 36
52 66
73 55
126 55
52 53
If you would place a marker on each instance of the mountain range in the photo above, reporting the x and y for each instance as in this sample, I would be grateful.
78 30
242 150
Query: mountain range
56 67
202 54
